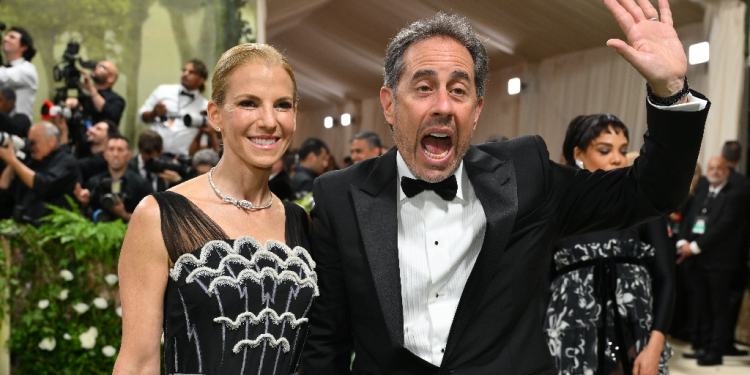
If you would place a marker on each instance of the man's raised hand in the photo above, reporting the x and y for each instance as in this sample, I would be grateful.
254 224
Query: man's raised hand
653 47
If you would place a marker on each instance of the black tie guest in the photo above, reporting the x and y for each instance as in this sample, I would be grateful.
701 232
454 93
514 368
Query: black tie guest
91 154
424 285
43 179
115 193
149 147
713 233
11 121
313 160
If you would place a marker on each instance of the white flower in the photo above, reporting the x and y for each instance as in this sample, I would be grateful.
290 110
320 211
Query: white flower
63 295
111 279
108 351
67 275
88 338
100 303
66 336
118 310
48 343
43 304
81 307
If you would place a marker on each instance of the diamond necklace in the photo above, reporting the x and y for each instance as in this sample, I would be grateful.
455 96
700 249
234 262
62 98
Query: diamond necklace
244 204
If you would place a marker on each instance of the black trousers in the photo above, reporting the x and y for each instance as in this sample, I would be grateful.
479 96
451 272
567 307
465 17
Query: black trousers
712 301
736 294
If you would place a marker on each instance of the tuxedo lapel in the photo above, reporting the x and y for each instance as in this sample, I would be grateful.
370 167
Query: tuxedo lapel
375 206
494 183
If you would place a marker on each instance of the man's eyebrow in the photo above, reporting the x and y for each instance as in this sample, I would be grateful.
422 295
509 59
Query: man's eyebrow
423 72
460 74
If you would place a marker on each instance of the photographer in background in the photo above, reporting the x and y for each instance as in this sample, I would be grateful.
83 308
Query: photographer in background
91 155
98 102
11 121
114 193
150 146
20 75
165 109
42 179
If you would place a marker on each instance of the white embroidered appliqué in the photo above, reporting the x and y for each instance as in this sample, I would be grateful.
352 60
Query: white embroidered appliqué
297 268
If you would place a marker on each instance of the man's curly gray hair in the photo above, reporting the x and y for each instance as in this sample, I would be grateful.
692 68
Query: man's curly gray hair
452 26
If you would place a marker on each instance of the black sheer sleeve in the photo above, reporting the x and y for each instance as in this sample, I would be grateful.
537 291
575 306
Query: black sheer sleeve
184 227
297 226
662 272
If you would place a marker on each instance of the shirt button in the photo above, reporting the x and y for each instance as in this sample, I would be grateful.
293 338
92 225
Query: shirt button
437 295
436 242
442 350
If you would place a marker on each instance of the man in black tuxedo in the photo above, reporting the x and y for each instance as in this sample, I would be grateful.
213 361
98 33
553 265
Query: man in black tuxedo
446 280
714 233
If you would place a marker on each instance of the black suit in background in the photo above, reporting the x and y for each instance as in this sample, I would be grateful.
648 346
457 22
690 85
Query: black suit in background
722 245
529 203
739 279
281 185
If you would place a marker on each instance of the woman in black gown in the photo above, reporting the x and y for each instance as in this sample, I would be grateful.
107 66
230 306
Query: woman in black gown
219 264
612 292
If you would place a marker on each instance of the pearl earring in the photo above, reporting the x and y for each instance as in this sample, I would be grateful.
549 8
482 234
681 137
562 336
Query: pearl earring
579 163
218 129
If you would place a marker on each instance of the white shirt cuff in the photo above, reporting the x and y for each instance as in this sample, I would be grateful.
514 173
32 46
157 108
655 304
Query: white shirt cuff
693 105
694 248
680 243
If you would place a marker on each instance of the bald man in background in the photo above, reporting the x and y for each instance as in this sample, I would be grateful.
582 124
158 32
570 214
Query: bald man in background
713 233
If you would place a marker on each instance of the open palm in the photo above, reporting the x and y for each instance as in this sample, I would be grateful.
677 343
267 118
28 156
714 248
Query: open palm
653 47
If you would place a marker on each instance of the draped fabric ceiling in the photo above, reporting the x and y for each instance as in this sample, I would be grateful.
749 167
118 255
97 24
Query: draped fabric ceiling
337 46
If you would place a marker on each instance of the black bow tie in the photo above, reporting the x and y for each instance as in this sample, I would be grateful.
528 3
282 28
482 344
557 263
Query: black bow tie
189 95
446 189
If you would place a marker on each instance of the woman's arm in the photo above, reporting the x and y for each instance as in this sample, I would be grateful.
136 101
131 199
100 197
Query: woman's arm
663 289
143 272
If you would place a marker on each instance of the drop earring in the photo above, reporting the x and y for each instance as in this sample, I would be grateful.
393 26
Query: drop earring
579 163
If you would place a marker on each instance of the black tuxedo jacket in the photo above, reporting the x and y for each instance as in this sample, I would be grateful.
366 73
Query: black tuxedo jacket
529 201
724 241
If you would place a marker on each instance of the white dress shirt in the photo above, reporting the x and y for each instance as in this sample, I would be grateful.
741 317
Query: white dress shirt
21 76
438 243
176 136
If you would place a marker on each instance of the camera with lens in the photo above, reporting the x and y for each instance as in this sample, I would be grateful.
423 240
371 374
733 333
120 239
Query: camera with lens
110 192
182 165
21 145
68 73
199 119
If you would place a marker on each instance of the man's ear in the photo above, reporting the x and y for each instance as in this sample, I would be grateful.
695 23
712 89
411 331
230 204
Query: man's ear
477 111
388 102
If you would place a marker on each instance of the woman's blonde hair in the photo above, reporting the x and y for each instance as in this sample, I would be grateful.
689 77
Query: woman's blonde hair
243 54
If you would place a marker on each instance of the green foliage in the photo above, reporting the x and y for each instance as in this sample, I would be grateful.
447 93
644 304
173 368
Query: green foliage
33 292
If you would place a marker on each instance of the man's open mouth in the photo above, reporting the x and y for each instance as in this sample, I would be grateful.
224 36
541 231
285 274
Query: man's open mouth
437 145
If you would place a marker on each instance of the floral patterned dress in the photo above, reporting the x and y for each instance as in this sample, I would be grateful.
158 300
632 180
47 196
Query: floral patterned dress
605 300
